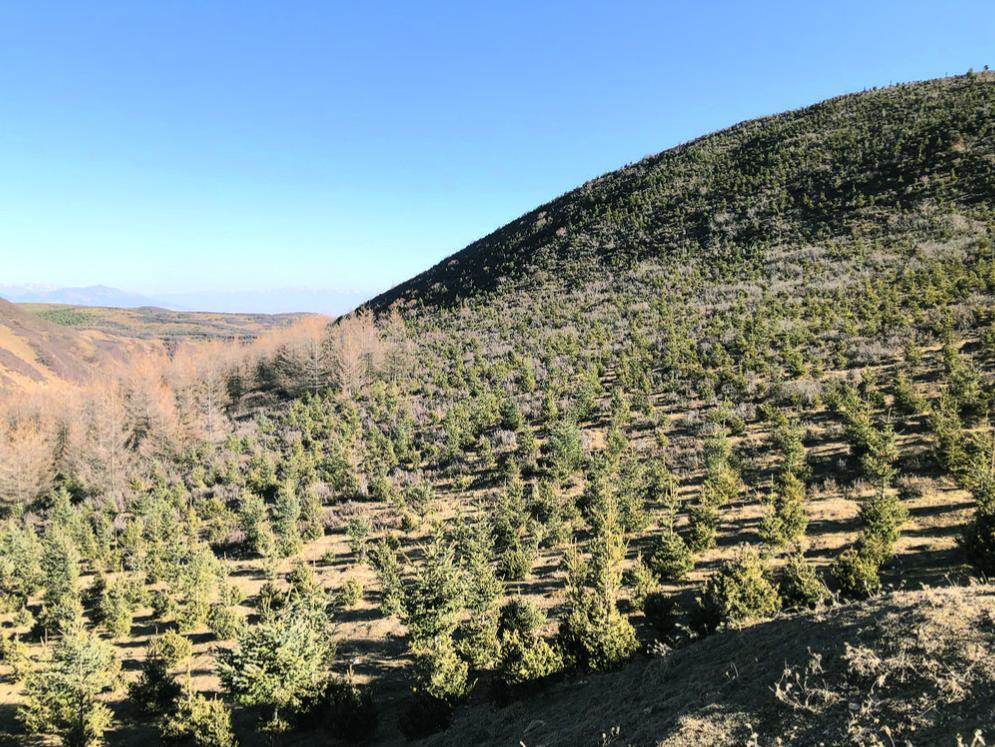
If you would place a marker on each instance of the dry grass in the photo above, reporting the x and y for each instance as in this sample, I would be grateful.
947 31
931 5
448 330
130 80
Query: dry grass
907 667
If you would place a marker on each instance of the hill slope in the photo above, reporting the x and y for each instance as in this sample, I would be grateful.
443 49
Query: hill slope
847 165
917 666
45 342
150 322
33 350
739 379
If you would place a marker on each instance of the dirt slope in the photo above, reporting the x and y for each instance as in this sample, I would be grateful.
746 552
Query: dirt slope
919 664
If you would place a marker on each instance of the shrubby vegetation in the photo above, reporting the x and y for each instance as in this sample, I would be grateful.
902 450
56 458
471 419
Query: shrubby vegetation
534 460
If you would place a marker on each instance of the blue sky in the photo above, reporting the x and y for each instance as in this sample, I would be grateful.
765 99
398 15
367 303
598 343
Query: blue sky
192 146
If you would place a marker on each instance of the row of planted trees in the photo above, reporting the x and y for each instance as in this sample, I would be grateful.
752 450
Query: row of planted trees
520 414
450 605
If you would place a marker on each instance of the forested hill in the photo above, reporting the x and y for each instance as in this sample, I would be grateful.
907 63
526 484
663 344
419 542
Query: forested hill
855 164
700 453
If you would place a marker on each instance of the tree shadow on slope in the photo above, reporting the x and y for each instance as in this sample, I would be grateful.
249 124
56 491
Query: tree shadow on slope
922 661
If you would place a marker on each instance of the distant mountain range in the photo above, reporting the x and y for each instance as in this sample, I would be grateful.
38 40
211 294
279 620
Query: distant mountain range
275 301
91 295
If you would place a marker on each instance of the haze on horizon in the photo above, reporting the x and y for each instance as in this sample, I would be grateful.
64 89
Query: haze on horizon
230 153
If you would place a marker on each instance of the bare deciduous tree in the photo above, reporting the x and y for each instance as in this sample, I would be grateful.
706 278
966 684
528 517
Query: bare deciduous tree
25 461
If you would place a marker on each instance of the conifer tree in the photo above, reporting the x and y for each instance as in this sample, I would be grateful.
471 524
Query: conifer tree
116 610
594 632
525 654
312 526
201 721
479 632
785 522
281 664
433 601
253 518
388 568
60 565
286 515
20 565
60 696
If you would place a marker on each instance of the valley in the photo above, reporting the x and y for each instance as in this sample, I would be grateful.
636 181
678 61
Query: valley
44 343
700 452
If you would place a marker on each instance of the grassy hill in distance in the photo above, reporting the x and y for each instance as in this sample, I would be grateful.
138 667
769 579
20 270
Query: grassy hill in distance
149 322
273 301
34 350
698 453
43 342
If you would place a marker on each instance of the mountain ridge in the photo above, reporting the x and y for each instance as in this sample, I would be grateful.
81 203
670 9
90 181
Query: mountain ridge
646 207
90 295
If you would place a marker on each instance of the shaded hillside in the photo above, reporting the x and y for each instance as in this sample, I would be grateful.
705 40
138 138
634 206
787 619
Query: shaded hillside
850 165
906 668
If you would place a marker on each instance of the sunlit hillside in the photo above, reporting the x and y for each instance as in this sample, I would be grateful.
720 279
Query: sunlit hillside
45 344
698 453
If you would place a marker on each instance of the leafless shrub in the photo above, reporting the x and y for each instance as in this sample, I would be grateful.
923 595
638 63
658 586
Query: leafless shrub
804 688
869 352
506 439
801 392
916 486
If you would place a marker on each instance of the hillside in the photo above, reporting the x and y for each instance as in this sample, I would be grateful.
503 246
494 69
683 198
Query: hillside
847 166
34 350
53 342
152 323
916 666
615 465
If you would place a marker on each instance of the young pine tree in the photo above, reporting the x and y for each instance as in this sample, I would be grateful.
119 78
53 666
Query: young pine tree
60 697
286 516
60 566
594 632
432 605
280 665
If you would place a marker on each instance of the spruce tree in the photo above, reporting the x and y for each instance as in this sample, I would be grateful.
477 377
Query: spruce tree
286 515
60 697
60 566
433 602
201 721
388 567
20 565
594 632
312 524
479 632
280 665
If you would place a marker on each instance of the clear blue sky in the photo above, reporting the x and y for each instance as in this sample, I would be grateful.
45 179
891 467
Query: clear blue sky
177 146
